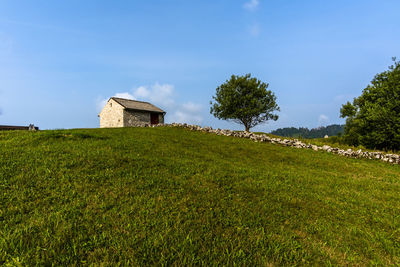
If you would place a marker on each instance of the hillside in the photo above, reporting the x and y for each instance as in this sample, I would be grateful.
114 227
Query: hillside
152 196
320 132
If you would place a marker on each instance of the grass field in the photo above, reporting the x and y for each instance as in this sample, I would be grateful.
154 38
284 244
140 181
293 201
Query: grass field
170 196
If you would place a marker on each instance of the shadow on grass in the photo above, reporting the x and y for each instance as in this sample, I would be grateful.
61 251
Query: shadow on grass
65 136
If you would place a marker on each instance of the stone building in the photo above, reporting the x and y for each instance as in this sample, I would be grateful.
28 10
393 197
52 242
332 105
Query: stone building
120 112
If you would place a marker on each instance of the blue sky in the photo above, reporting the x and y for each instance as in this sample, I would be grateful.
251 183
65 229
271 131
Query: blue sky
59 60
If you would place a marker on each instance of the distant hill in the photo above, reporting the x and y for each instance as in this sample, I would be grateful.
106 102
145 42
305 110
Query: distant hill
319 132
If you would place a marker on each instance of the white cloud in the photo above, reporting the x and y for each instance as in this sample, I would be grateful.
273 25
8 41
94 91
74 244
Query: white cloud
182 117
101 102
159 94
323 119
125 95
251 5
191 107
162 94
141 92
187 113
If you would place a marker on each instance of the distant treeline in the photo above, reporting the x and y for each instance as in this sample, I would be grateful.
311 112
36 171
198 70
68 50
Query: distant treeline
331 130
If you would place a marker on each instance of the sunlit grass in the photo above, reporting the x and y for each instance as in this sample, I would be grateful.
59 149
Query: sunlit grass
151 196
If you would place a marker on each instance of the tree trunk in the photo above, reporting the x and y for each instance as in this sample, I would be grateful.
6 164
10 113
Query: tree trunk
246 124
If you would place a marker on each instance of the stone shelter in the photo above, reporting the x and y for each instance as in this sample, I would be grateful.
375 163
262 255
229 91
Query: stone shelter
121 112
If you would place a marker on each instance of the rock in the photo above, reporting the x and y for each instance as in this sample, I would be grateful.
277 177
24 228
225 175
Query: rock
298 144
325 147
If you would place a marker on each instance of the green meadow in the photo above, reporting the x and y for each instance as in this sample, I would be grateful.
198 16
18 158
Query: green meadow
171 196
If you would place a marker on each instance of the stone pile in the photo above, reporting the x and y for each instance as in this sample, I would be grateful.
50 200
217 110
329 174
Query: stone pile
391 158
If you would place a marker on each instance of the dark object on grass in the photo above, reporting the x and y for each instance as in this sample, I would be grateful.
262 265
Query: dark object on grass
320 132
11 128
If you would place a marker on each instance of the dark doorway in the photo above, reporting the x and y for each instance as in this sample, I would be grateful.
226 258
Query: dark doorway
153 118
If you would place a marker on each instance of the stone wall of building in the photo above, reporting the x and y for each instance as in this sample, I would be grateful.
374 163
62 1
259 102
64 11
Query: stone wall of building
112 115
115 115
161 118
136 118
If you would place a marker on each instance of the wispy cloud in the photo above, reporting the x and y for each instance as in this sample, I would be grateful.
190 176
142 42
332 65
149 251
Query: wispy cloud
189 113
323 119
125 95
254 30
192 107
101 102
142 92
160 94
251 5
163 95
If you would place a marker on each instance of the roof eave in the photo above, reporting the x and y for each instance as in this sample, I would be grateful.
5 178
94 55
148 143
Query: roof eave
145 110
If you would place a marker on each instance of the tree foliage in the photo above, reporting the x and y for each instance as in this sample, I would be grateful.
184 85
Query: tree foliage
244 100
330 130
373 119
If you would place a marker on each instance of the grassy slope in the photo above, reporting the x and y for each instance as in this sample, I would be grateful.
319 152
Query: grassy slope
169 195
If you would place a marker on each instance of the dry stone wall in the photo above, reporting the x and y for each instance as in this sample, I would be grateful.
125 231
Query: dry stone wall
390 158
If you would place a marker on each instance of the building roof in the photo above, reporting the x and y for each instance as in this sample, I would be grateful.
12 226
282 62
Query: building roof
137 105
